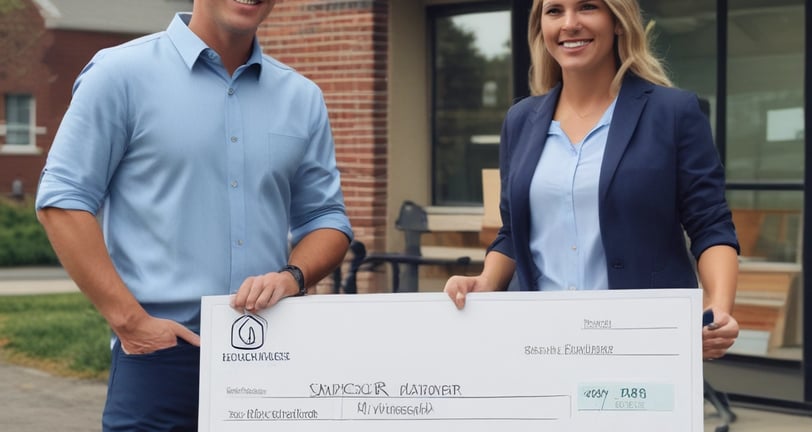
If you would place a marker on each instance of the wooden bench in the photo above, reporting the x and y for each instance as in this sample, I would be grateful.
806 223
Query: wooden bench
762 299
769 272
453 232
755 227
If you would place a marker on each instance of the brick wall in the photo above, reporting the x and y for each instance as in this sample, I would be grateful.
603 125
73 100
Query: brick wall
342 46
44 63
23 42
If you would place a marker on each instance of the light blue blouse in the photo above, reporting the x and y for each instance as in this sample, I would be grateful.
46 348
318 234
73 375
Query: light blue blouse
565 237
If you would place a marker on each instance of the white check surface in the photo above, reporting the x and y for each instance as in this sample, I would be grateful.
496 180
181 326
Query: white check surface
623 360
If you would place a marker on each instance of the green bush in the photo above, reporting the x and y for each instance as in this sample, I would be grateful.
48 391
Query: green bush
22 239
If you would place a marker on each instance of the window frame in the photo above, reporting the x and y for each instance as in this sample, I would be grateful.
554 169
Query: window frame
433 13
31 146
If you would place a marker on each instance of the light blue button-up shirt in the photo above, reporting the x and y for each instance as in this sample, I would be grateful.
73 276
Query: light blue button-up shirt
565 236
200 177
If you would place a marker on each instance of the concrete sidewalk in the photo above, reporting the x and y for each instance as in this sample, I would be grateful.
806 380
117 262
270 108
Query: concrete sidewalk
35 280
34 401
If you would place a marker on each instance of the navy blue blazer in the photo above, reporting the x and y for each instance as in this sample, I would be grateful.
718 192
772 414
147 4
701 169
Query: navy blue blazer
661 174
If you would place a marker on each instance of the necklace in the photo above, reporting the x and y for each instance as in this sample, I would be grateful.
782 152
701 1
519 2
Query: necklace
600 109
576 127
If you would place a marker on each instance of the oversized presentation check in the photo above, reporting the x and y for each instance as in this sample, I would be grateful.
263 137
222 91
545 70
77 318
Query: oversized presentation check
627 360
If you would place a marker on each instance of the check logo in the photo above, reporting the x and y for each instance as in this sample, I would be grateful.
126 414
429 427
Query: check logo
248 332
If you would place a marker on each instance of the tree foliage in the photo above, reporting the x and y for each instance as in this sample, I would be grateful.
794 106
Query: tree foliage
7 6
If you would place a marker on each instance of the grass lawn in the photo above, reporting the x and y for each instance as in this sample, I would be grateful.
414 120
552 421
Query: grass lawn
60 333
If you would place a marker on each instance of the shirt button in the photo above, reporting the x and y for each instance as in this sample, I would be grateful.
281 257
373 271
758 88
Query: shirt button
230 91
234 184
574 247
239 242
234 139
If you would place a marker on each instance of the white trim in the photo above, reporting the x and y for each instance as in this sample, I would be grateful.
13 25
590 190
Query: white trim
485 139
49 12
19 149
142 16
449 210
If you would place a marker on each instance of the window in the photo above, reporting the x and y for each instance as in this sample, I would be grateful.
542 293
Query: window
20 127
757 109
765 91
684 36
765 126
471 92
762 135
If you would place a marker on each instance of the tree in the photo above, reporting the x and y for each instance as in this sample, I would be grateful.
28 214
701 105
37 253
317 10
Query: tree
7 6
460 68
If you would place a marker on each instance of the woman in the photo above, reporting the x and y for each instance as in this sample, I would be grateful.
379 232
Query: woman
606 169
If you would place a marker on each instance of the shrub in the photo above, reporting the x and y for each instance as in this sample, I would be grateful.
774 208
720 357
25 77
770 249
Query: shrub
22 239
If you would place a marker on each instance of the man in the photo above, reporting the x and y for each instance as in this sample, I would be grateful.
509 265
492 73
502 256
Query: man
204 160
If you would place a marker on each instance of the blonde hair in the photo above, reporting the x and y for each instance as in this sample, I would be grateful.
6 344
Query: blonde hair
632 49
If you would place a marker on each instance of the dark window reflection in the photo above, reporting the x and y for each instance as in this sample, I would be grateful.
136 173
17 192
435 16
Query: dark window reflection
472 91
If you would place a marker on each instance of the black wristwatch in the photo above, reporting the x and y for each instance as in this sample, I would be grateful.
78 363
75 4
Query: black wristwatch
297 274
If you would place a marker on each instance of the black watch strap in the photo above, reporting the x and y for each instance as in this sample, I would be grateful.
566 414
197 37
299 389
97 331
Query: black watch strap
298 275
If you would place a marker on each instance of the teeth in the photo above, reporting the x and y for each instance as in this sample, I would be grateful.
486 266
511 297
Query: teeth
574 44
248 2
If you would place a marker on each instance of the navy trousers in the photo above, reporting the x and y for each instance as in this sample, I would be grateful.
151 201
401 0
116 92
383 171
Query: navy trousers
153 392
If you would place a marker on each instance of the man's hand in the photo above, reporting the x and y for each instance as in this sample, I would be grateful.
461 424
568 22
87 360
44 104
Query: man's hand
151 334
260 292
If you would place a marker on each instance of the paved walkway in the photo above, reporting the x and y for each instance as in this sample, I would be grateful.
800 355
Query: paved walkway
34 401
35 280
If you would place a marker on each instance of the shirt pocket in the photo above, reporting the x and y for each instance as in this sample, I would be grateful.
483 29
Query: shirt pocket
285 153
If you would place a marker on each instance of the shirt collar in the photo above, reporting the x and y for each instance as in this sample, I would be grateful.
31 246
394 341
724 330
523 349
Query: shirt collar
190 46
607 115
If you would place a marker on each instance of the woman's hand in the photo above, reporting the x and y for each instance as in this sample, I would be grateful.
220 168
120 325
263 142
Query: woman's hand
458 287
720 335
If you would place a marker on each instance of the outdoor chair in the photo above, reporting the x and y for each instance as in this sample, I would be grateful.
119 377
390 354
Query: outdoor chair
413 222
722 405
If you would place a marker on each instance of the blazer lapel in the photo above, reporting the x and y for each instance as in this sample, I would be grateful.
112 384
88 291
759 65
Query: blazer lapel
525 159
629 106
